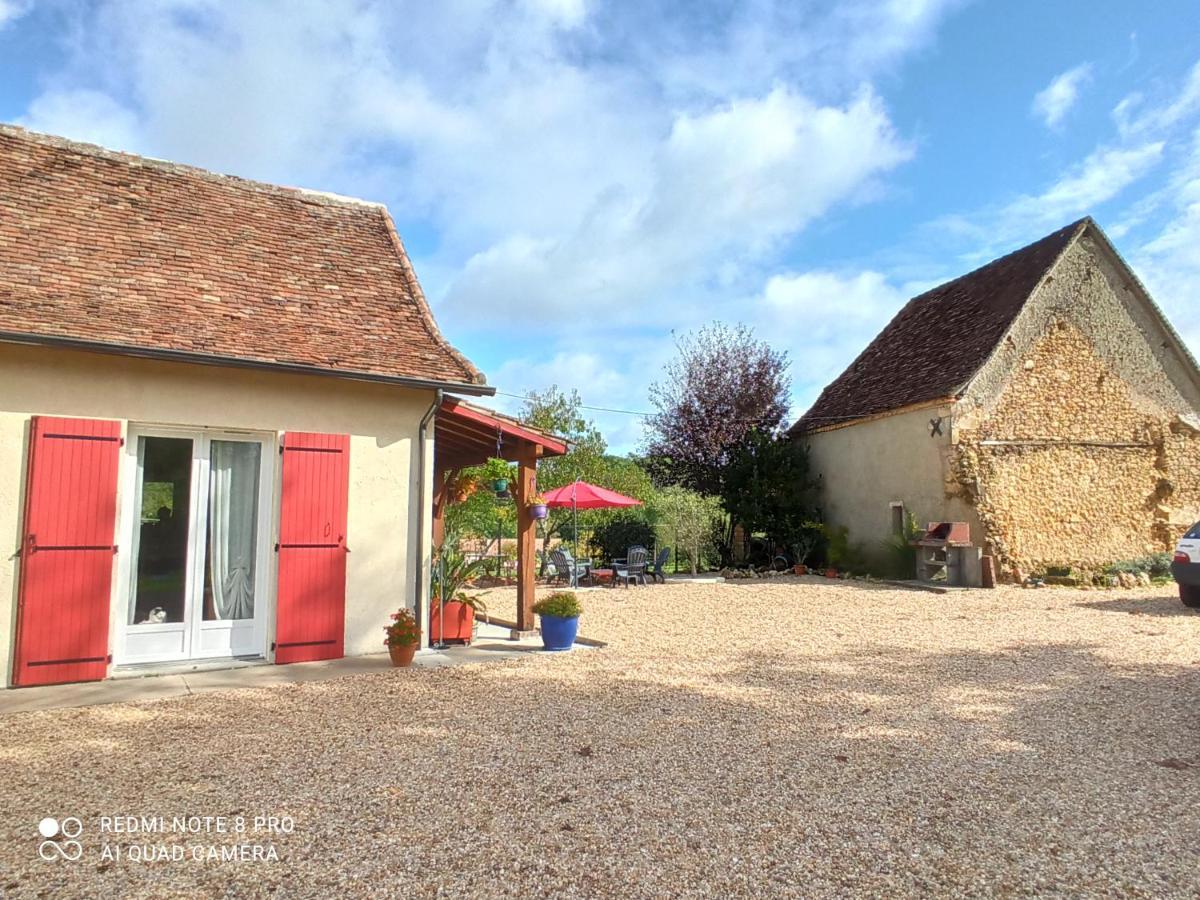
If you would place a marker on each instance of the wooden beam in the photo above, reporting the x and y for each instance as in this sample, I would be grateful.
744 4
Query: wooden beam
526 537
510 427
442 476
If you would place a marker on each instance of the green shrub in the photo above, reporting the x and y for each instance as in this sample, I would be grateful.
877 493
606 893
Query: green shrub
899 556
612 539
562 604
1157 565
837 547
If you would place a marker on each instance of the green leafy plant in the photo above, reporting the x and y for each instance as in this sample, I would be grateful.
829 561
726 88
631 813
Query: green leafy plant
404 631
900 556
453 571
561 604
837 546
804 542
1157 565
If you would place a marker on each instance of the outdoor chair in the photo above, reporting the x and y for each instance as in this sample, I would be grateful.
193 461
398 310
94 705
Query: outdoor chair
658 568
571 571
631 568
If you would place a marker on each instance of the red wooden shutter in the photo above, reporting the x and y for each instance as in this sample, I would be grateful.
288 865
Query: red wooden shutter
67 551
311 617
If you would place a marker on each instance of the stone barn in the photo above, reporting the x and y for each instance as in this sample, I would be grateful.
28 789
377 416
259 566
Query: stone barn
1043 398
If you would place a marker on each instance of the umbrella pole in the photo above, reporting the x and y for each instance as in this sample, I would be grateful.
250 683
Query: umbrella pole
575 539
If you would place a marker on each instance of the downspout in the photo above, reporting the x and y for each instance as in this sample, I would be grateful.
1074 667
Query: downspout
419 604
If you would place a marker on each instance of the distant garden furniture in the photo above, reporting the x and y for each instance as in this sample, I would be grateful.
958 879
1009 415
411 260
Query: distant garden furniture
631 568
572 571
658 568
599 576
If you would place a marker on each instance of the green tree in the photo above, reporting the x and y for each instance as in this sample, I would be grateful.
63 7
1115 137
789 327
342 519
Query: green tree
686 520
562 414
769 488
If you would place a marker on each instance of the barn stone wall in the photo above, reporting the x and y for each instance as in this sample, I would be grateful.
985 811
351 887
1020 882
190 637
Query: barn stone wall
1079 442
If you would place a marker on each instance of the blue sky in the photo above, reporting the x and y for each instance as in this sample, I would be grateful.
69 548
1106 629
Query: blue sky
575 179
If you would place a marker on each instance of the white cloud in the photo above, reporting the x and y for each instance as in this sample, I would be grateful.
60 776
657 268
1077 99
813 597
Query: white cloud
85 115
1099 177
1055 100
1135 118
613 377
11 10
1169 262
725 184
824 319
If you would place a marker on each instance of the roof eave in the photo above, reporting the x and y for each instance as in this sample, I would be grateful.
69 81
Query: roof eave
796 431
238 362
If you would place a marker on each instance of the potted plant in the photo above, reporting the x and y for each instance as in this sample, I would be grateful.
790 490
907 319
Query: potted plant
537 507
560 619
498 474
452 610
403 638
837 549
463 487
453 619
803 545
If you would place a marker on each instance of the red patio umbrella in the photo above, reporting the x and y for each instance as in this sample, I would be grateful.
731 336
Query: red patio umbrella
581 495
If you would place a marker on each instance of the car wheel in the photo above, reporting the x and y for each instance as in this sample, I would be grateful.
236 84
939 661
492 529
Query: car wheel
1190 595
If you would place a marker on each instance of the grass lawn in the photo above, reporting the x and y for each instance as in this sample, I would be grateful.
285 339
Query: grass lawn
801 737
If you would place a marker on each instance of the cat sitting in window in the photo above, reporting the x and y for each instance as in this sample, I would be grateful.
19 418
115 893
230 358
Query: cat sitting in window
154 617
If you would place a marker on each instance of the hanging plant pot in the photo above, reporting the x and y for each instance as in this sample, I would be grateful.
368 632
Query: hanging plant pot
500 485
539 511
463 489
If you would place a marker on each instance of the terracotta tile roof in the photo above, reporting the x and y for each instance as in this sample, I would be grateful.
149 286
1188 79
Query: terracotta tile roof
940 339
120 251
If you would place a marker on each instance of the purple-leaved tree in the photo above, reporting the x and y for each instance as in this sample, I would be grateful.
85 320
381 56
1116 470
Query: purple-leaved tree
723 384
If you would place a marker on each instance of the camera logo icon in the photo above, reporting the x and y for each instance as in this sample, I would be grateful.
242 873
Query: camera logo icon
60 838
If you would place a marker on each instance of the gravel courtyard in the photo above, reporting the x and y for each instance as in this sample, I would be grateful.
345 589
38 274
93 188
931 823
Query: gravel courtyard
799 737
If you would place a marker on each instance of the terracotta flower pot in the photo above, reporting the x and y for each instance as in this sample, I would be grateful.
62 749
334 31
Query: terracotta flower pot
459 622
831 573
799 570
402 654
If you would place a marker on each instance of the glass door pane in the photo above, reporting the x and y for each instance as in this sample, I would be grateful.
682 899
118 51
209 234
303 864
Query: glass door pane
160 587
232 540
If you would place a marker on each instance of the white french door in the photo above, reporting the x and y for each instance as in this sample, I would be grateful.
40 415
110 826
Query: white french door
196 579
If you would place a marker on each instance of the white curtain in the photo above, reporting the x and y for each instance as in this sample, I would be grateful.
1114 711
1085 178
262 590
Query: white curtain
232 524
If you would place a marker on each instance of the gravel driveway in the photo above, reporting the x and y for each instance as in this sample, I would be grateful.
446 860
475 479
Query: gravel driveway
798 737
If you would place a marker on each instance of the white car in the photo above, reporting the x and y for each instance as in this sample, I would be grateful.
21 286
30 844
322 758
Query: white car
1186 567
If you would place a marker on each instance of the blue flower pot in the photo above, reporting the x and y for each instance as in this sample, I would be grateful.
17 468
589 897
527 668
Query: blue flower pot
539 510
559 633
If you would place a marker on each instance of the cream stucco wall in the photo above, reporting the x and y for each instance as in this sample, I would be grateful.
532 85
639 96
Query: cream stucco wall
382 420
866 467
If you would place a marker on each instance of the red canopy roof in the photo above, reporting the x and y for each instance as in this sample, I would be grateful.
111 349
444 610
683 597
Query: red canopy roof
582 495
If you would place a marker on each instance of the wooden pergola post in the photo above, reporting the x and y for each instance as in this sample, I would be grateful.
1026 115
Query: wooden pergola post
441 490
526 535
